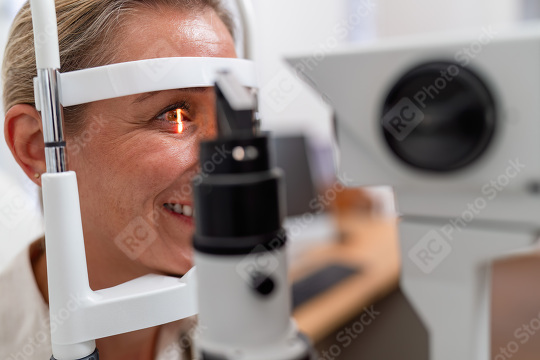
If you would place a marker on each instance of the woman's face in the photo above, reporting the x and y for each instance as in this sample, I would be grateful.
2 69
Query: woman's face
133 166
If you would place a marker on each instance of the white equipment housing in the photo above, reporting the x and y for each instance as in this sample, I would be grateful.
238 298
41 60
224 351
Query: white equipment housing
456 222
238 323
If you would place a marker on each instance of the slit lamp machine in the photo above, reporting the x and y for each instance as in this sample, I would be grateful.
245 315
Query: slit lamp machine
450 121
252 319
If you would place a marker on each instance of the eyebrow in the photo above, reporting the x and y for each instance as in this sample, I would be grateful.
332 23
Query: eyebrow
148 95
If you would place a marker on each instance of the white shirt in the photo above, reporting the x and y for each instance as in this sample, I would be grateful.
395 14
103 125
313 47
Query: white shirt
25 324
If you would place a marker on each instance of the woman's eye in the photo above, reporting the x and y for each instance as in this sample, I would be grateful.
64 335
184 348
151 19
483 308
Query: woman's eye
175 118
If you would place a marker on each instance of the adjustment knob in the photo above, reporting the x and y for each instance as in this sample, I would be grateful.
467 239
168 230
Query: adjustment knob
262 284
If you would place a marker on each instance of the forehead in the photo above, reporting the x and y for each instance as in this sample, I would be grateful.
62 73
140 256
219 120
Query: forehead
148 33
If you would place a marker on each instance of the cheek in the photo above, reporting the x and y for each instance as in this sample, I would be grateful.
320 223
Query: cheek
138 166
159 169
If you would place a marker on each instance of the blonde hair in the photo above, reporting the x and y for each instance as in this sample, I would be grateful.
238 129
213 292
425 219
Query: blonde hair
85 35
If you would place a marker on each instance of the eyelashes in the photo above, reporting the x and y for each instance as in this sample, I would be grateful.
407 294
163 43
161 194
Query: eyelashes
184 106
174 117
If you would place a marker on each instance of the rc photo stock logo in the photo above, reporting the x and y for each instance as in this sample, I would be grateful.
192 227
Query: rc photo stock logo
430 251
281 91
407 114
136 238
15 207
259 261
262 259
435 245
157 69
402 119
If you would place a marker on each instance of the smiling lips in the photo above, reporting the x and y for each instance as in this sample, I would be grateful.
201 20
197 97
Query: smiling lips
185 210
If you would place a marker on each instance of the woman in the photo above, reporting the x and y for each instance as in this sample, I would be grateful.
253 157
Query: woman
132 164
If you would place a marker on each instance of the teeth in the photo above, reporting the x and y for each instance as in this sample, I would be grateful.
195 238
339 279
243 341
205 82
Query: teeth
177 208
188 210
181 209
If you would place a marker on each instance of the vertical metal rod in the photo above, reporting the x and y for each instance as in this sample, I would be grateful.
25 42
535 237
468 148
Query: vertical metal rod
53 120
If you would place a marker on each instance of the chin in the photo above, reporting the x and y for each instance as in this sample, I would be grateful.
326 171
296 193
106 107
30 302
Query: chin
177 262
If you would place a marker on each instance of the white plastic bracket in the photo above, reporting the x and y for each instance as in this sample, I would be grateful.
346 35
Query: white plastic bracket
88 315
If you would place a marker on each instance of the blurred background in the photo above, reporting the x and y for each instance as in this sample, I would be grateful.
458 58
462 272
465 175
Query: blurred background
20 214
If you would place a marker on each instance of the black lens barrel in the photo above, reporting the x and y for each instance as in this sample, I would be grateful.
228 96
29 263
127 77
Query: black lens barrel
238 197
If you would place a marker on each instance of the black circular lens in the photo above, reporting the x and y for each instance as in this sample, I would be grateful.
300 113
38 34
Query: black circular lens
439 117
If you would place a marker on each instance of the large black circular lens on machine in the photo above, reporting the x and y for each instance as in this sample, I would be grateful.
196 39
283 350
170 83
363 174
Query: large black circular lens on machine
439 117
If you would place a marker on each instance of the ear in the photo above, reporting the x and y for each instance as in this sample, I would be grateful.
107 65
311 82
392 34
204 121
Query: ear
24 136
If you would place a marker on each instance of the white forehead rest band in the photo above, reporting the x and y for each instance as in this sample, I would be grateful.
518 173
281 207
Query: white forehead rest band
136 77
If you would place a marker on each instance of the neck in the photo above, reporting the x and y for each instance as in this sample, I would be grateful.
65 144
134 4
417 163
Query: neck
108 267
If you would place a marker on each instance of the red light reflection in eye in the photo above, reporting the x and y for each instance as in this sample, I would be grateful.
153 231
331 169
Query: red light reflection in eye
179 119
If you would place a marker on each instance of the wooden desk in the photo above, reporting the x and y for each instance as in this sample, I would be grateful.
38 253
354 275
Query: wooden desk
371 244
